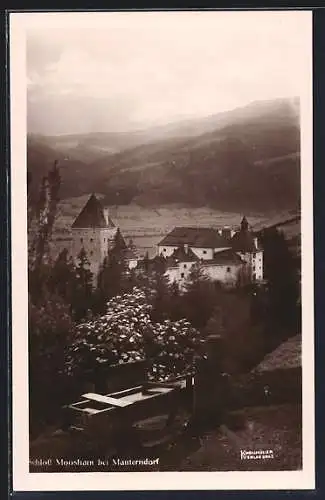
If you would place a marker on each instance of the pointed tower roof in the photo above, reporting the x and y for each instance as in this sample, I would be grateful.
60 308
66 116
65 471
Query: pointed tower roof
244 240
92 216
244 224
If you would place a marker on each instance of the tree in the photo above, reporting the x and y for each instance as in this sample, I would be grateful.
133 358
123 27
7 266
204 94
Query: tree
62 276
82 295
216 323
119 247
49 332
146 262
200 297
176 307
41 217
45 214
281 270
112 277
49 322
159 265
161 298
109 281
244 276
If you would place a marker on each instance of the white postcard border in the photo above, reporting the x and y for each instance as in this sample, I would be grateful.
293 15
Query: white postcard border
25 481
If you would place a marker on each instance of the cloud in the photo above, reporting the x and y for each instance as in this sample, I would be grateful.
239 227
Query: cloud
144 68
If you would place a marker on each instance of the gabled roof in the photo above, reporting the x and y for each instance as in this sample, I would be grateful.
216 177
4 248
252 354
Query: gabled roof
226 257
180 254
197 237
92 216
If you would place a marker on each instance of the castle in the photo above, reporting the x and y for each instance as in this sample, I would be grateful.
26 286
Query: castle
225 255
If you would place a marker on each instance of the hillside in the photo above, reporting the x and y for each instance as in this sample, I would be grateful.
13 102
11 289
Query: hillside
247 159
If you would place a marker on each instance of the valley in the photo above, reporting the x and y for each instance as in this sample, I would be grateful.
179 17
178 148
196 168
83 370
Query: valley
205 172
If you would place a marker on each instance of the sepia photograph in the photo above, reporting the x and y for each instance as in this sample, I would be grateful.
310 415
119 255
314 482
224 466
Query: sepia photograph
162 249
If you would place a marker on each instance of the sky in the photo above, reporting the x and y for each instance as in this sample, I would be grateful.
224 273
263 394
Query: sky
99 72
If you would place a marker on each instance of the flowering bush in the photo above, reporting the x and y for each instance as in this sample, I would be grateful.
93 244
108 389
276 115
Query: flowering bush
126 333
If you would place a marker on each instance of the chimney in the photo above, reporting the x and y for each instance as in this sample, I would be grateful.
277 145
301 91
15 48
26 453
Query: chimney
186 248
256 243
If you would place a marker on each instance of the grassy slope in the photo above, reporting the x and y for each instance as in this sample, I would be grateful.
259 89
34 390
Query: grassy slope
275 427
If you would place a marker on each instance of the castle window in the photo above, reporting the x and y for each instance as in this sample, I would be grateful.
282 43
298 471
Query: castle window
228 269
182 275
204 251
81 239
91 240
185 266
164 250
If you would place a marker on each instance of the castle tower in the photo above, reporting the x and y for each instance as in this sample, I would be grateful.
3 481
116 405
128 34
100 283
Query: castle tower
246 244
93 230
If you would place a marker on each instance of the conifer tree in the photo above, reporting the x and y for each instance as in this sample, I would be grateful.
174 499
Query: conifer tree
281 270
199 297
176 302
161 297
82 297
102 292
146 262
63 274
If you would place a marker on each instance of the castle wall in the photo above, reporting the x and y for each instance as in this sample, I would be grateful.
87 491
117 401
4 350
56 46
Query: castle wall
227 273
255 261
258 266
95 242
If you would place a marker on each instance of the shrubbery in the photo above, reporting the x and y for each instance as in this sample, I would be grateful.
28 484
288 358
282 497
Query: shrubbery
127 333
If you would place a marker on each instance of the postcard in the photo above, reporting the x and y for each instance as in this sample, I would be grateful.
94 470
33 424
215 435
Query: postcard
162 250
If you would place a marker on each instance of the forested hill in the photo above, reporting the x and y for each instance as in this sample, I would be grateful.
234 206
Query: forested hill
247 159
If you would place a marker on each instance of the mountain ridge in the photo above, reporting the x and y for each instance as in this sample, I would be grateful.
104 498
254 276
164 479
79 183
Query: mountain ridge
249 156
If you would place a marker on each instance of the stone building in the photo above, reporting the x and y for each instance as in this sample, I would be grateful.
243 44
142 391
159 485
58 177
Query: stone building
223 254
94 231
248 247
